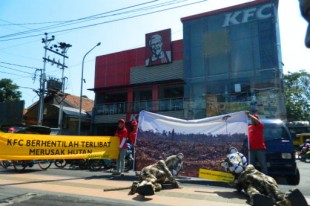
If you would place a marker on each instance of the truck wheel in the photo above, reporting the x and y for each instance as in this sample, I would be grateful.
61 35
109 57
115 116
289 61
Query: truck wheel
294 180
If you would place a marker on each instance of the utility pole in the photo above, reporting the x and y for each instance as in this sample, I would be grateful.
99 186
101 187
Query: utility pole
81 91
64 48
46 41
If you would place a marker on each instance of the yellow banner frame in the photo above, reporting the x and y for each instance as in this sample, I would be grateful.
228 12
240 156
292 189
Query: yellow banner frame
215 175
39 147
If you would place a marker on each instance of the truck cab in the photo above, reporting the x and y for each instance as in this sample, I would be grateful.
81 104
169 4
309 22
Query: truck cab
280 153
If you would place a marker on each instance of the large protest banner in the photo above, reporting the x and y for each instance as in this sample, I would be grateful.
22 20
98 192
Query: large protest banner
35 147
204 142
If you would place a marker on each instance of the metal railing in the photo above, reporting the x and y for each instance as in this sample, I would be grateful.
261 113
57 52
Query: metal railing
137 106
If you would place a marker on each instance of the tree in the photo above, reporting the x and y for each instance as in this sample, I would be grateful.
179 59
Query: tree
8 91
297 94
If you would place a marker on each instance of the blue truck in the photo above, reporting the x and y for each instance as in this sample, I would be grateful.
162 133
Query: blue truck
280 152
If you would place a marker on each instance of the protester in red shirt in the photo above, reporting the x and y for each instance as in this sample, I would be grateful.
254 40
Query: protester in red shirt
122 133
257 142
11 130
133 133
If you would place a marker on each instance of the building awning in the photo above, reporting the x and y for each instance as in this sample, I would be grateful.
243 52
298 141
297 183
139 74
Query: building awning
74 112
176 81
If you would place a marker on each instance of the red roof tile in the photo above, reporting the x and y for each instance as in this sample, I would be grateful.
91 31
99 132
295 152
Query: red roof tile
87 104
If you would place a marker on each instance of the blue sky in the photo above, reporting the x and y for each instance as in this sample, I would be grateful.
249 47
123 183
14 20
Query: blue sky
20 16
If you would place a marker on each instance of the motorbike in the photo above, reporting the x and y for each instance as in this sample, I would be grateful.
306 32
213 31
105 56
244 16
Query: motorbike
98 164
108 164
73 163
5 163
20 165
304 153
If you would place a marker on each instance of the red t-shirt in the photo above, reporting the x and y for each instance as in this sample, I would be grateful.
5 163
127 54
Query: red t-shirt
123 135
256 137
132 136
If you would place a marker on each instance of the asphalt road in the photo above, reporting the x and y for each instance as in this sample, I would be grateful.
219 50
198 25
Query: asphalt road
82 187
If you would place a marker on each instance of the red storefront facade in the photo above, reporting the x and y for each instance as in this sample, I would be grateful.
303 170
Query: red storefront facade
126 83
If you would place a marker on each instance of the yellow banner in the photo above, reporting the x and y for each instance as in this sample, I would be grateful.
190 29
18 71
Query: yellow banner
33 146
215 175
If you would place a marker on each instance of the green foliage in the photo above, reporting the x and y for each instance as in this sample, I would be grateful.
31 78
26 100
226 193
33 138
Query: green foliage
8 91
297 95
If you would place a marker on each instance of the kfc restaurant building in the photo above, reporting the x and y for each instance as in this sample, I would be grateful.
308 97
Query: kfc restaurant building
229 60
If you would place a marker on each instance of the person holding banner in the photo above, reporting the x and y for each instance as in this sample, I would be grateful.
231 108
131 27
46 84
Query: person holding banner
133 132
257 142
11 130
122 133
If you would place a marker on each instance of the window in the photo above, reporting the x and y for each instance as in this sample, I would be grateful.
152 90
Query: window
275 131
142 100
267 47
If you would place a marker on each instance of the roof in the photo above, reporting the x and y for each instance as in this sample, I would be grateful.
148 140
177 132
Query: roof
73 101
87 104
73 112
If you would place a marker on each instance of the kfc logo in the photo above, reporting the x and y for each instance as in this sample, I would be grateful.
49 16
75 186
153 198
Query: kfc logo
158 46
243 16
132 117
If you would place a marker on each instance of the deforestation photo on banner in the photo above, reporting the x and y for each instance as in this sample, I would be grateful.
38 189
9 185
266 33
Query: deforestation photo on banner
204 142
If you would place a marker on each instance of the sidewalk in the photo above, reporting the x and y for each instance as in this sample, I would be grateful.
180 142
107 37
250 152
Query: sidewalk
91 188
88 190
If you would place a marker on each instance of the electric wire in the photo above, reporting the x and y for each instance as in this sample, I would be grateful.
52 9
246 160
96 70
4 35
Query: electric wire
32 23
18 65
106 22
138 12
97 16
14 74
15 69
69 21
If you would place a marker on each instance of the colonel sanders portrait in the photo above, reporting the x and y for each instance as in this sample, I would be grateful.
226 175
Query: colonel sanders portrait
159 55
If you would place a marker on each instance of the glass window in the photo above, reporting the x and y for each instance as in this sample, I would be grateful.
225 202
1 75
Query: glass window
217 64
114 103
267 47
241 31
196 64
242 55
142 100
141 95
115 97
216 47
268 76
99 98
171 92
275 131
217 87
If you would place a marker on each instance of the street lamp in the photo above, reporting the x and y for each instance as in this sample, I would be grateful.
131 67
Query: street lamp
81 92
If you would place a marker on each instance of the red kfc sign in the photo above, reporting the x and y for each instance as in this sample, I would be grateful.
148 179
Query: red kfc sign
158 48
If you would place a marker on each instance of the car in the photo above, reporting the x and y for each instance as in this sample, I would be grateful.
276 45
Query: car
280 153
34 129
300 131
55 131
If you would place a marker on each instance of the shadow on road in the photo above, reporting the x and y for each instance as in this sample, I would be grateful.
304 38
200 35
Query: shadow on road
141 198
41 181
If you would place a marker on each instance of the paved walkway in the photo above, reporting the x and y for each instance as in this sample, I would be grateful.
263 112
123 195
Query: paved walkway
193 193
93 187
